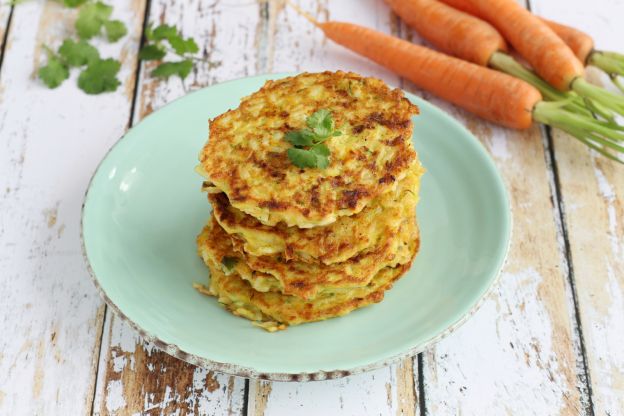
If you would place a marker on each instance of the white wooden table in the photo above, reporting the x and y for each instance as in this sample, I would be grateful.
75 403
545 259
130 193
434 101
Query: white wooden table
549 340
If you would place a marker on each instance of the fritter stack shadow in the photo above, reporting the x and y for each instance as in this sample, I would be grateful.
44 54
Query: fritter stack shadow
287 245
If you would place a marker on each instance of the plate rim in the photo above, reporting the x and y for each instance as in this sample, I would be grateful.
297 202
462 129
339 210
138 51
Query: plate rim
249 372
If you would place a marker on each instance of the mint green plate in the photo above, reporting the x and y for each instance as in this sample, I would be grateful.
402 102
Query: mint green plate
144 208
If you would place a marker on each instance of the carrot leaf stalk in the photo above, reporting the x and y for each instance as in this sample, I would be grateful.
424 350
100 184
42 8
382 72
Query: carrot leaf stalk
506 63
610 62
599 95
598 135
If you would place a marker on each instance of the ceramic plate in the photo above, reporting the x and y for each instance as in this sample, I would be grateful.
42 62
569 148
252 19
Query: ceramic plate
144 208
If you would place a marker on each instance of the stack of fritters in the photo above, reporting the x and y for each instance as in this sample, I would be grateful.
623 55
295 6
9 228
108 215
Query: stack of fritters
287 245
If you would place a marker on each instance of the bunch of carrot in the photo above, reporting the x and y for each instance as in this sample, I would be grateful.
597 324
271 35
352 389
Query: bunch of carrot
484 79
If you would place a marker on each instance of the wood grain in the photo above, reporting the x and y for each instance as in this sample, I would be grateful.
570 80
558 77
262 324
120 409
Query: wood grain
520 353
5 11
51 140
386 391
133 376
592 199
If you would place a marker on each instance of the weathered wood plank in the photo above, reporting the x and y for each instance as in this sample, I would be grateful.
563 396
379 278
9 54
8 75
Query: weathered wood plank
295 45
386 391
519 354
5 11
133 376
592 190
51 140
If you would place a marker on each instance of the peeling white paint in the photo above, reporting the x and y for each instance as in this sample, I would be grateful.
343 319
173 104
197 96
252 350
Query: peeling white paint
114 396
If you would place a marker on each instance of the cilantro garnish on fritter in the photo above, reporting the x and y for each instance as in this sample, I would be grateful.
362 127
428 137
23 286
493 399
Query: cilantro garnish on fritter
309 149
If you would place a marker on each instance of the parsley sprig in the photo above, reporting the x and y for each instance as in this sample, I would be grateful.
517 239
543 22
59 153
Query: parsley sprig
309 149
165 39
98 75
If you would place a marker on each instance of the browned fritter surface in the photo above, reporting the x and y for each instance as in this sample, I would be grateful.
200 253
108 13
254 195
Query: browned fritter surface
333 243
273 310
246 154
310 280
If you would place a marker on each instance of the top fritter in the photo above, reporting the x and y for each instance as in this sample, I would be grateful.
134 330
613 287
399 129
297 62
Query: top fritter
370 148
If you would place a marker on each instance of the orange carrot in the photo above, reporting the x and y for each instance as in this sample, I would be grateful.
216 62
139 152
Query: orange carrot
489 94
583 47
450 30
534 40
581 43
545 50
472 39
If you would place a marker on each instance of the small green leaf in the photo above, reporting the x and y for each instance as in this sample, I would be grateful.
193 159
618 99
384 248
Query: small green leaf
149 32
74 3
78 53
300 137
167 69
183 46
152 52
100 76
91 18
302 158
54 72
322 155
321 123
337 133
228 264
115 30
320 149
163 32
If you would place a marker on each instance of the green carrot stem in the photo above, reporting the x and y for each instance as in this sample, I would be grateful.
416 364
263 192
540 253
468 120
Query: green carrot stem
594 133
599 95
506 63
610 62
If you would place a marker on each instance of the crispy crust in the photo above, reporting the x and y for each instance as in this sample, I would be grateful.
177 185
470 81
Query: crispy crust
310 280
273 311
333 243
246 154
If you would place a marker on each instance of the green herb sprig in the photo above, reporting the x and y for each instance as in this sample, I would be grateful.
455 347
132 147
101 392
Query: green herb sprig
309 149
165 39
98 75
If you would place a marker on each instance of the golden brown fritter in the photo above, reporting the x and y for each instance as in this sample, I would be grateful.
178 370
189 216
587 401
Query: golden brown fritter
309 280
274 311
333 243
246 155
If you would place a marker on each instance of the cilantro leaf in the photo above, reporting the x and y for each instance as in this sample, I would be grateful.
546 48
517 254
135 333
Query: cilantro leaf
320 149
228 264
91 18
152 52
321 123
300 137
302 158
115 30
182 46
100 76
78 53
322 155
320 128
167 69
162 32
316 157
74 3
54 72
